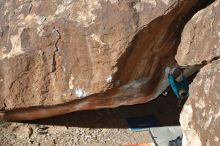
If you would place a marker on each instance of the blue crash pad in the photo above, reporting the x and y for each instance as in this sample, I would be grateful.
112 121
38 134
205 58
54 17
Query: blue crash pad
142 123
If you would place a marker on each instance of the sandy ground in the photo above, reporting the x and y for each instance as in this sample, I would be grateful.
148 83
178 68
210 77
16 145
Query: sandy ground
104 127
18 134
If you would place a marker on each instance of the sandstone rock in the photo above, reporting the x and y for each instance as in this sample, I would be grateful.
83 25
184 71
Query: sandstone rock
200 44
64 56
200 38
200 117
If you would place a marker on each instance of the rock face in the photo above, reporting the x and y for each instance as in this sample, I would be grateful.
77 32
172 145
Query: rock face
200 117
64 56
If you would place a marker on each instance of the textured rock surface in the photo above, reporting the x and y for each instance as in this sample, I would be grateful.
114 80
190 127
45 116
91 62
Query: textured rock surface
200 117
76 55
200 38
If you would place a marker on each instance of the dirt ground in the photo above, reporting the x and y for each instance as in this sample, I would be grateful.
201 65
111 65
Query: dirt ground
41 135
103 127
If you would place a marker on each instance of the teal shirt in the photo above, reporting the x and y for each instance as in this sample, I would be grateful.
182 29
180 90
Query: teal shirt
176 86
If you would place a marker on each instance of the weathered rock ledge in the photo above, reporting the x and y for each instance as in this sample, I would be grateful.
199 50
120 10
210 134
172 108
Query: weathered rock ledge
67 56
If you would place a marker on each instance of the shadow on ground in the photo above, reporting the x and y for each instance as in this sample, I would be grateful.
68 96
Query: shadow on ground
164 108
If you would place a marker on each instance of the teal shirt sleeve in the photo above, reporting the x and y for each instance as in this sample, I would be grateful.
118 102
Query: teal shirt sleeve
173 85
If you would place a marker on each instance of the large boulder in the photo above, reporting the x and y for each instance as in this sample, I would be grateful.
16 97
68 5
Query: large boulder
200 117
67 55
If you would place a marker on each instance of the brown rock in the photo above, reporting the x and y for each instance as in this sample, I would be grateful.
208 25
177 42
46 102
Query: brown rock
64 56
200 117
200 38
